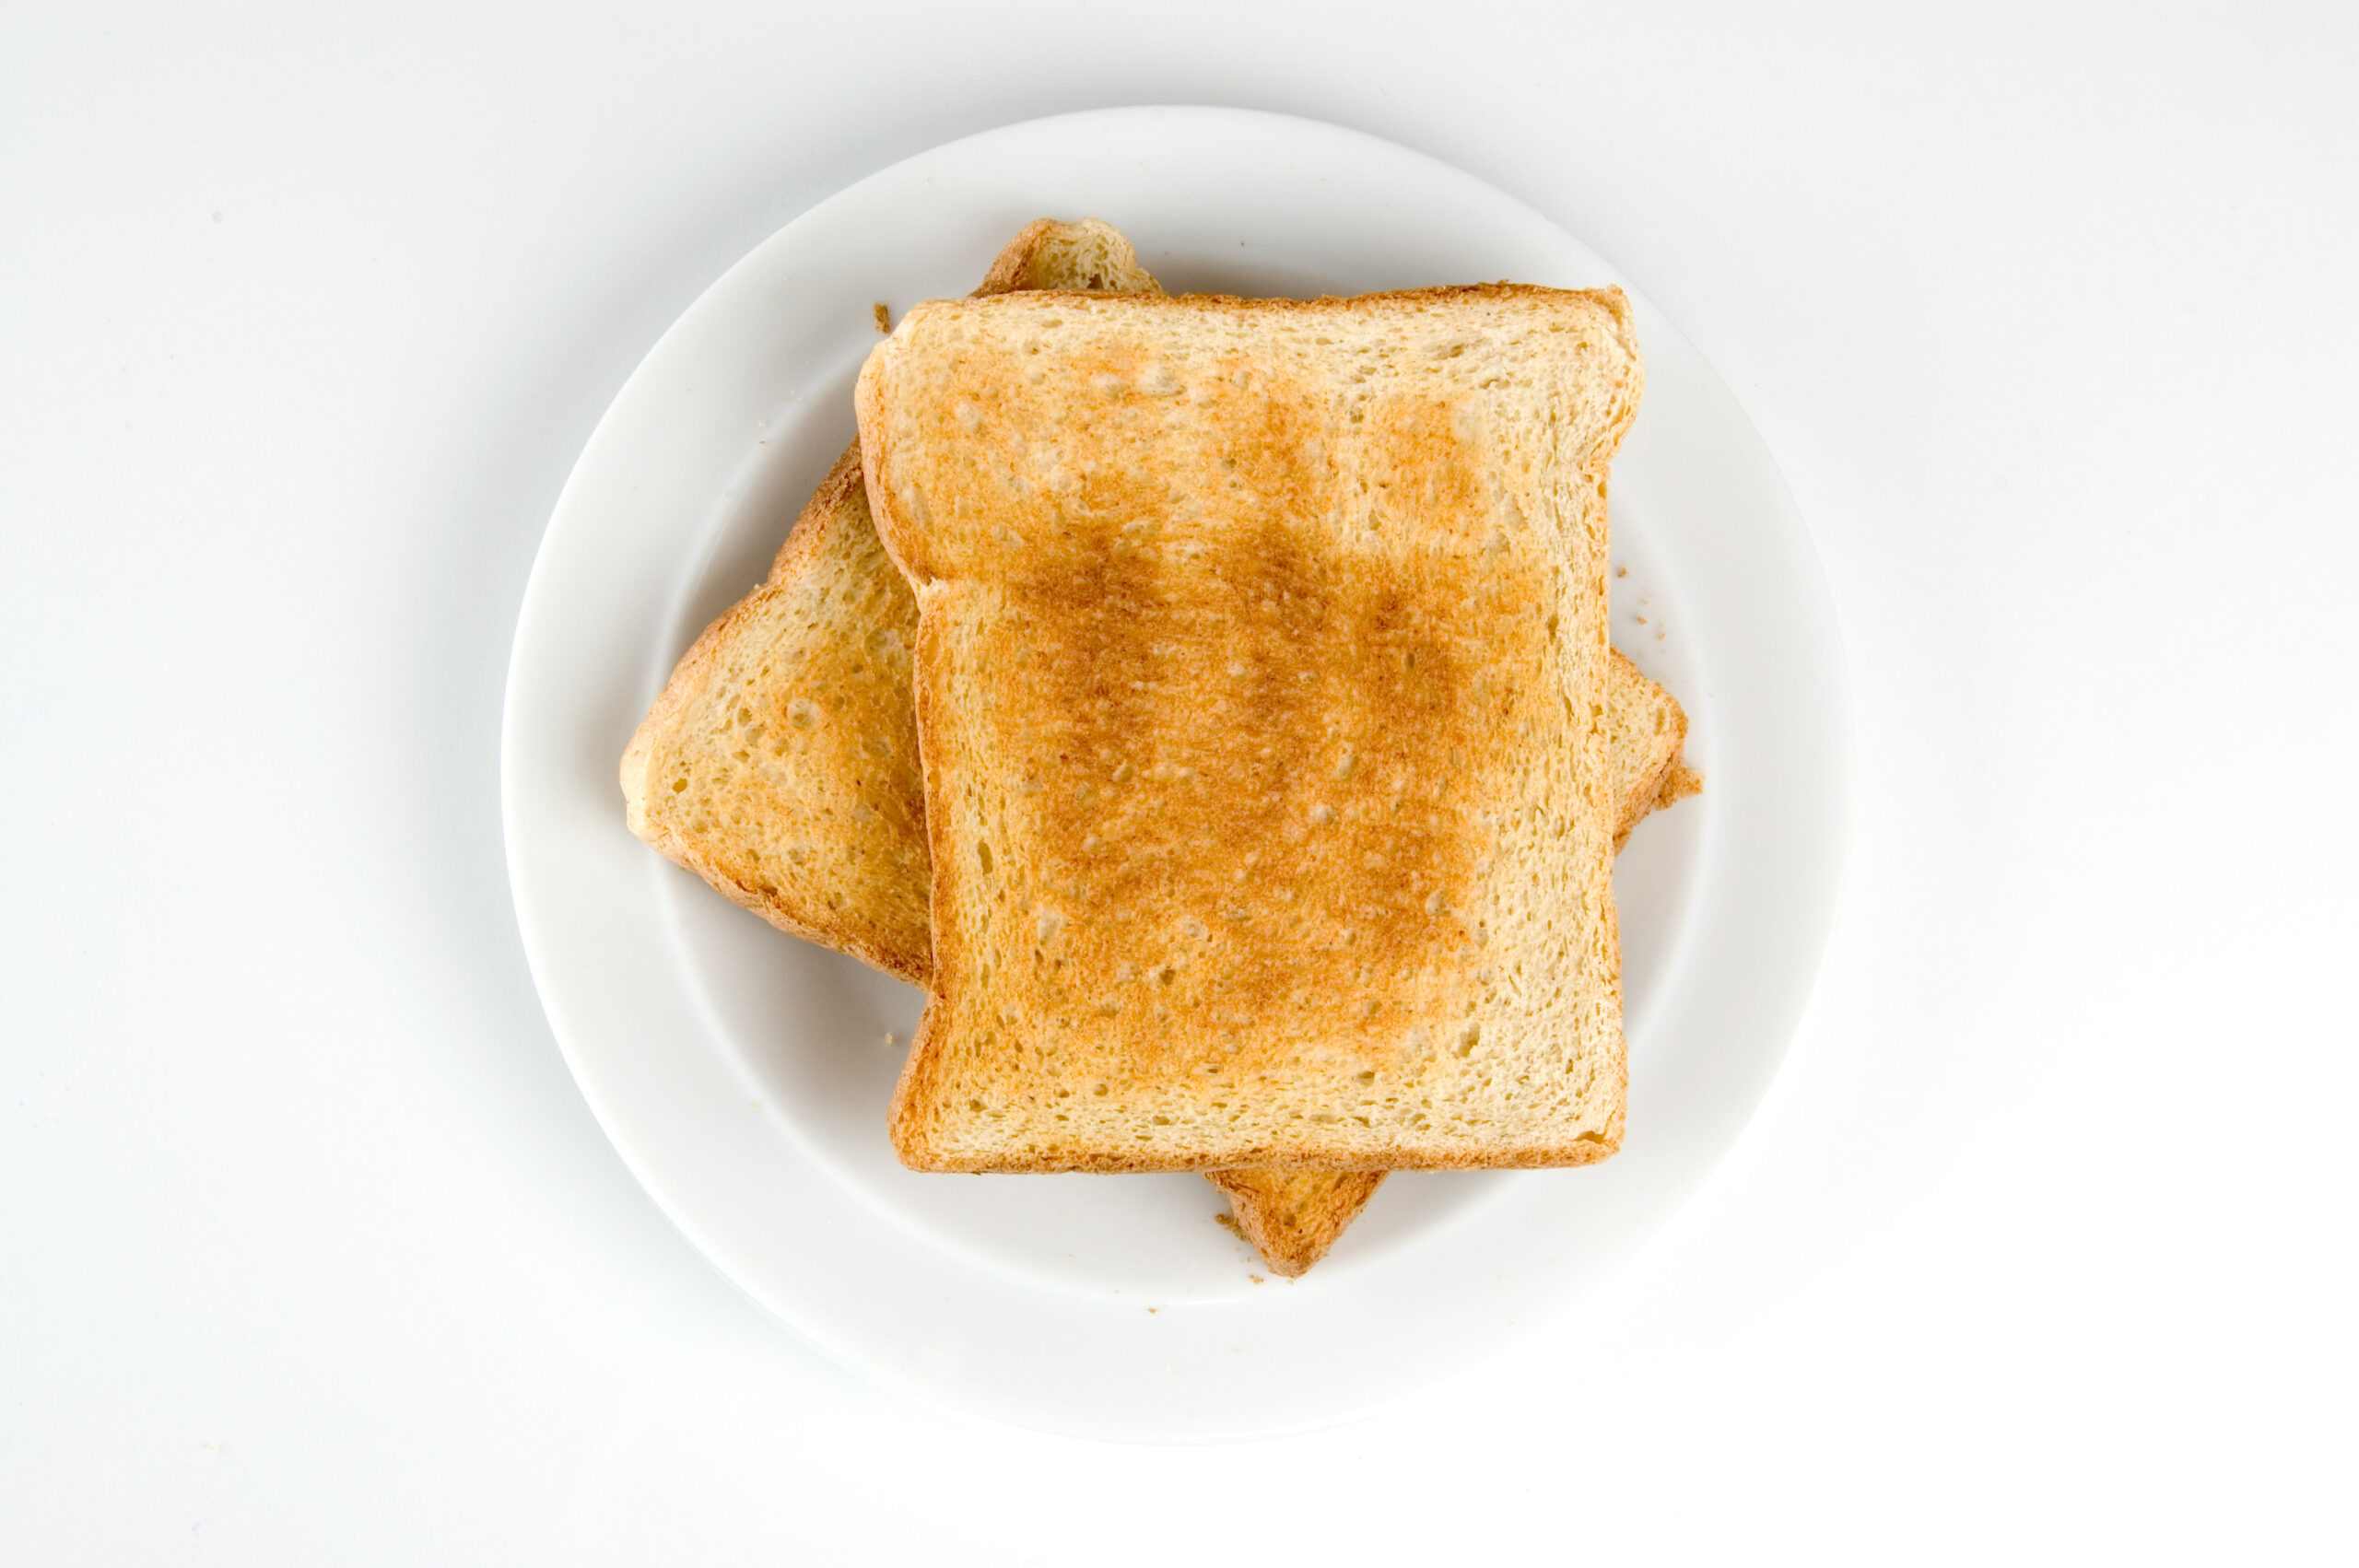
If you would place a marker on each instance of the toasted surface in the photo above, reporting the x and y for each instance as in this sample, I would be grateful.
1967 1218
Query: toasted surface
1260 686
1091 254
781 765
1292 1217
780 762
1648 730
1679 781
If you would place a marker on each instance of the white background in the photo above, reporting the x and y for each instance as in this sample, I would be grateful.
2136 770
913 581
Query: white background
2043 1243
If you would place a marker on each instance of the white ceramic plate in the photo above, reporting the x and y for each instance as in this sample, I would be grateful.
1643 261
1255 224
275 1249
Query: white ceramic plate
743 1075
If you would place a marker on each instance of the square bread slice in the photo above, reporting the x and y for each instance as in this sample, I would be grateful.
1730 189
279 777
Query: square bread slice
1260 683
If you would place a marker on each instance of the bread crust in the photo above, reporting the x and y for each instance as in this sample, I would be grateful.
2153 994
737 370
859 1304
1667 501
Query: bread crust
1292 1217
1652 733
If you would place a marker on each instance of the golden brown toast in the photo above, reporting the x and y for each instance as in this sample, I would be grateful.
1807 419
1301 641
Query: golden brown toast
780 762
1292 1217
1261 684
790 723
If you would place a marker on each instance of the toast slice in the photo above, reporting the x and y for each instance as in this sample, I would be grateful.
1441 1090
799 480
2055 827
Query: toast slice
1292 1217
1261 684
1646 757
826 842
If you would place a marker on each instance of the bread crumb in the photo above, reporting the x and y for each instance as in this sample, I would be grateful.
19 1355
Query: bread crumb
1228 1223
883 317
1257 1279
